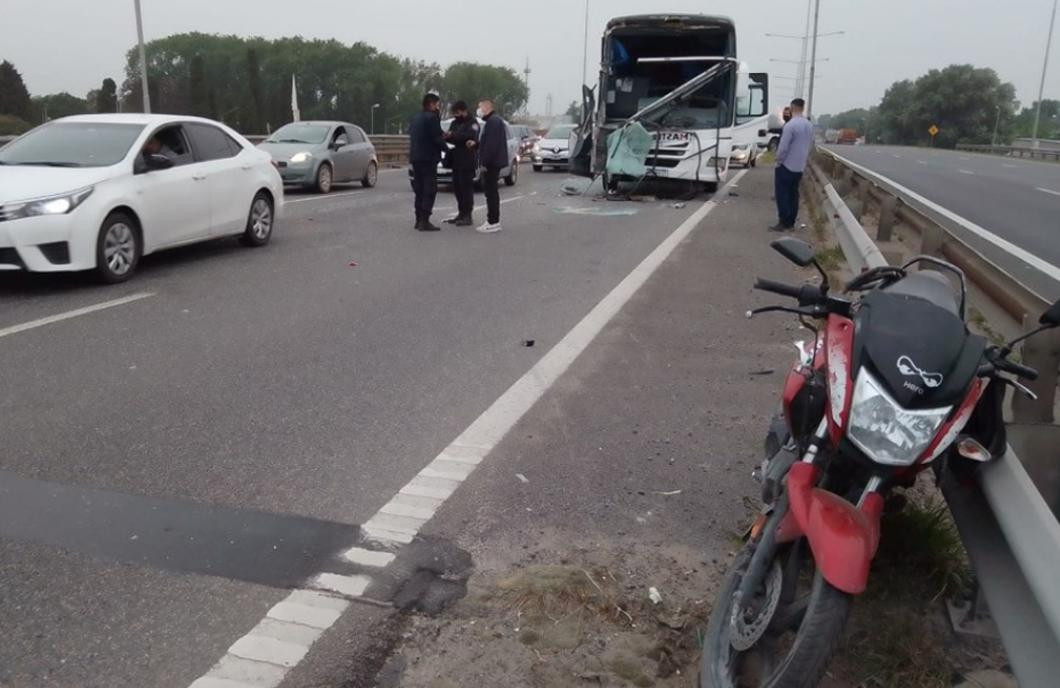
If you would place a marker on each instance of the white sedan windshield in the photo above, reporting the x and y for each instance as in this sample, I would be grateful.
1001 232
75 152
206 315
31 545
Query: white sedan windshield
72 144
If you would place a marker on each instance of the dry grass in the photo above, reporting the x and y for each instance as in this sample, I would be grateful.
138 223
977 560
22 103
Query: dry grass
557 592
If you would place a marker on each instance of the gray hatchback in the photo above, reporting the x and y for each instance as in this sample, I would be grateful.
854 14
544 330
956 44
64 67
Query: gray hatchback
319 154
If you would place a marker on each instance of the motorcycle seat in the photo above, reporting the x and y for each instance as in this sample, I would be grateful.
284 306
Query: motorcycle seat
930 286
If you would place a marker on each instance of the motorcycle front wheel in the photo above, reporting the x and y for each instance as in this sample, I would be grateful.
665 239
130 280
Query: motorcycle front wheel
786 641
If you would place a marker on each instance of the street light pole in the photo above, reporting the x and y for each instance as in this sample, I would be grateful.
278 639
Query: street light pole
585 48
801 84
143 57
813 58
997 121
374 108
1041 86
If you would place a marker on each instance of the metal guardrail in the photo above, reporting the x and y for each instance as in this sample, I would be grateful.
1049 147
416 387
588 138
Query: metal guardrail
1012 151
1011 534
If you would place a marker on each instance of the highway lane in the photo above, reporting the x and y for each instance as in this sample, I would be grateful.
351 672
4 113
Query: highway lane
1018 200
307 380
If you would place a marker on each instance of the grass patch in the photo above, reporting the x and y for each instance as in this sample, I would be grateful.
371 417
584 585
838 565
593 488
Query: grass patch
768 158
556 592
895 636
979 322
831 258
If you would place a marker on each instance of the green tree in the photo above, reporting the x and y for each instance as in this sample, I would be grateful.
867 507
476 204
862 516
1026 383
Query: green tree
106 99
14 97
574 111
962 100
58 105
198 90
1048 127
252 116
13 126
471 82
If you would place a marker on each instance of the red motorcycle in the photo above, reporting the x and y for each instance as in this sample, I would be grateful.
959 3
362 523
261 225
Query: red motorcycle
893 382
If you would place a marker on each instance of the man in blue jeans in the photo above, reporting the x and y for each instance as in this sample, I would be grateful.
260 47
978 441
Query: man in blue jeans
796 141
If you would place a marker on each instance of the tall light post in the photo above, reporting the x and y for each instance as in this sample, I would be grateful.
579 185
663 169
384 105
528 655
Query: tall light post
813 58
997 122
374 108
585 48
800 78
143 57
1041 86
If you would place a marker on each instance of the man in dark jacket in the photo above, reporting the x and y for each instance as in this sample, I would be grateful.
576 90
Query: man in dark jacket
426 143
493 156
463 159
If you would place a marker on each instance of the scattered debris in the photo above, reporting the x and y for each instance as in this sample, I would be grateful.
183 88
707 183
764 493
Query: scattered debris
643 198
762 373
671 493
522 478
353 264
678 206
598 210
529 342
733 193
654 595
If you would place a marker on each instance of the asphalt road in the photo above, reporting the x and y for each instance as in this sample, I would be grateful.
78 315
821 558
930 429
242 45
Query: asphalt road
171 465
1018 200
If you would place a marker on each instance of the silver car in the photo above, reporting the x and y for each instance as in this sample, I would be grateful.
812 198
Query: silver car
317 155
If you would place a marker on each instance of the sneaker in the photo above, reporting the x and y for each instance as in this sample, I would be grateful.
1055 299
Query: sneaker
488 228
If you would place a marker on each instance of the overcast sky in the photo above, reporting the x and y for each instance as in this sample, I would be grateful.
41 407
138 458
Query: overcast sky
71 45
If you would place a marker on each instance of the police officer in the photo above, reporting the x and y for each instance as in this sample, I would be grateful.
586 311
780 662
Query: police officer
426 143
463 159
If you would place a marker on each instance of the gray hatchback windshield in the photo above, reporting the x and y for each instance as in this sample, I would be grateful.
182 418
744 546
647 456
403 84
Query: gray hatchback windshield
300 133
72 144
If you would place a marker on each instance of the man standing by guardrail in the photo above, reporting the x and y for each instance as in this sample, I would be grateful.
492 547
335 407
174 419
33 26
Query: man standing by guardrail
792 154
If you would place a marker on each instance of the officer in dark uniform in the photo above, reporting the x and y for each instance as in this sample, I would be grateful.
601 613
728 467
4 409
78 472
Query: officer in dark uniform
426 143
463 160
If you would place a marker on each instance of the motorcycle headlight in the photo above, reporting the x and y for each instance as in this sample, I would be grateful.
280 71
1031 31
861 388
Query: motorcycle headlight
886 432
304 156
60 204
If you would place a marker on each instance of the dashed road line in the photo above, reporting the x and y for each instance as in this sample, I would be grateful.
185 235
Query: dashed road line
921 162
1008 165
326 197
262 657
1048 191
966 172
76 313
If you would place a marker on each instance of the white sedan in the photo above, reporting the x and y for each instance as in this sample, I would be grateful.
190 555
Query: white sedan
98 192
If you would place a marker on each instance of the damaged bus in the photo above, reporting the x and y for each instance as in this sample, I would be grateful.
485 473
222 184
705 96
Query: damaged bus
673 102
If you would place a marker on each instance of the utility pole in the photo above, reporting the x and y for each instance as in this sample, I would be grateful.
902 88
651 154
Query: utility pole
1041 86
800 82
813 58
585 48
997 121
143 57
526 82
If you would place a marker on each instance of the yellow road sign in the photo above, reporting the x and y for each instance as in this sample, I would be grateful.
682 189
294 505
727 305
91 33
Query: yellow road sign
933 130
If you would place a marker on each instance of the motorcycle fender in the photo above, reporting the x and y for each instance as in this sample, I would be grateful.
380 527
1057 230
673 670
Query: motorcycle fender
842 537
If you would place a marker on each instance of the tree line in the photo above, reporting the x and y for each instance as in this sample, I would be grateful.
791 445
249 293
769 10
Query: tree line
964 102
246 83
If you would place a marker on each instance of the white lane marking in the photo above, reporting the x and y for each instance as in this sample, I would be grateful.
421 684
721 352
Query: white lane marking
1008 165
450 208
367 557
325 197
966 172
1048 191
76 313
896 155
427 493
921 162
1034 261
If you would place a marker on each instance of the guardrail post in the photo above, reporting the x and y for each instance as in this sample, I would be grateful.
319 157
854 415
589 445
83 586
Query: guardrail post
1042 353
888 211
930 240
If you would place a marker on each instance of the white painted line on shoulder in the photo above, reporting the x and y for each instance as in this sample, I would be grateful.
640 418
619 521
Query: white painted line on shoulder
76 313
211 682
245 672
397 524
268 650
966 172
1048 191
429 493
367 557
288 632
315 617
1050 270
350 586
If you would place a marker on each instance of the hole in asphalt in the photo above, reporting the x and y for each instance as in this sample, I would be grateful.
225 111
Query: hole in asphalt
426 577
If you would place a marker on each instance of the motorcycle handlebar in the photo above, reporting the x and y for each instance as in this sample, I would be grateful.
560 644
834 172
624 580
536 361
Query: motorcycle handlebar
778 288
1025 372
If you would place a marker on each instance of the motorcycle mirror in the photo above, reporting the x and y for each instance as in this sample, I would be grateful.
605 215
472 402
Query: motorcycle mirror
795 250
1051 317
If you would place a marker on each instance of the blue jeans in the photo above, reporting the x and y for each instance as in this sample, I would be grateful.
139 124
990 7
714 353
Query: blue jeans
786 190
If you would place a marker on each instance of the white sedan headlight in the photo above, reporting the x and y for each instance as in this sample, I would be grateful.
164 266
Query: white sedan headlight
304 156
886 432
59 204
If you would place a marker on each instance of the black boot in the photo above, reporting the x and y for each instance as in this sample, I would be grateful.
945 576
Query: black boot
426 226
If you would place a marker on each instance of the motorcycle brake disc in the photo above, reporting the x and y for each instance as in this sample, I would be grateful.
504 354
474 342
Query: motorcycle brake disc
744 633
